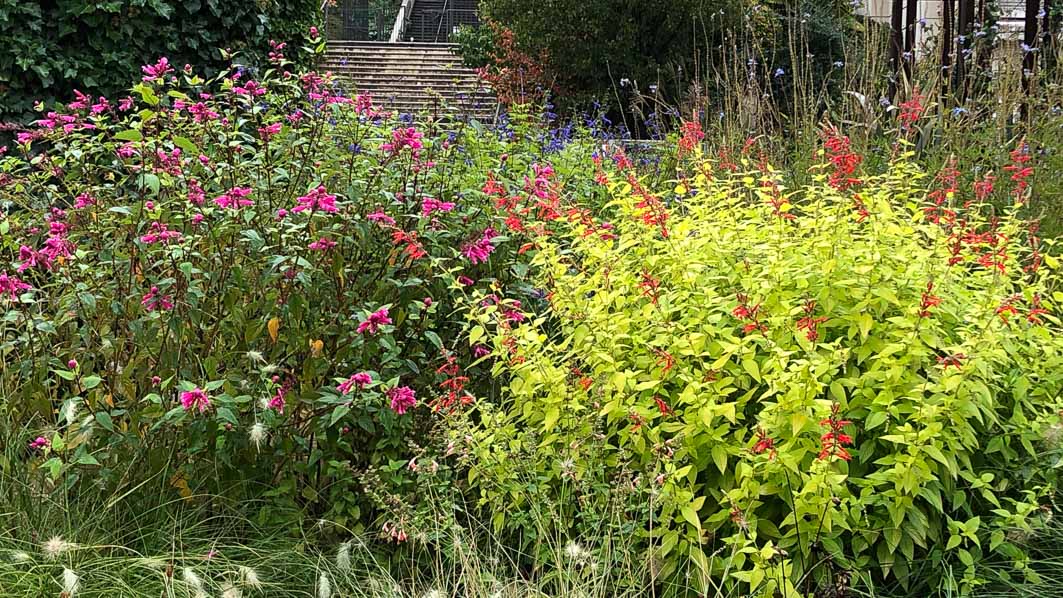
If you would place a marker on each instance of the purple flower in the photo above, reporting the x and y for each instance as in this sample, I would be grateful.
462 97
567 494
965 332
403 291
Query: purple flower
402 399
375 321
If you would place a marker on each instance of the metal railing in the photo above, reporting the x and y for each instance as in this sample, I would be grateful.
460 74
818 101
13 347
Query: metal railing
439 25
402 21
354 20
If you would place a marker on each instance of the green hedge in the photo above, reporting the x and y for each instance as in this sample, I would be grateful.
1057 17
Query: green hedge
96 46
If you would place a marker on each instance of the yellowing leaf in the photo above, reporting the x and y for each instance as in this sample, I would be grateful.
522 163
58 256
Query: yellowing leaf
178 481
316 347
274 327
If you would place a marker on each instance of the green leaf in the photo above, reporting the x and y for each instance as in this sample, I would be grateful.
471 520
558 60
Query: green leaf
751 368
129 135
104 419
91 382
476 334
226 415
338 413
875 420
719 456
434 339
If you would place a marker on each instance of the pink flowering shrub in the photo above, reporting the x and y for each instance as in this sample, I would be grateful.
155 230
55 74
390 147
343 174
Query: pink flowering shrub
254 272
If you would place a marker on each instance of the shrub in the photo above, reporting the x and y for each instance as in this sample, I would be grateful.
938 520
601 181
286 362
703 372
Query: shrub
246 286
97 47
839 381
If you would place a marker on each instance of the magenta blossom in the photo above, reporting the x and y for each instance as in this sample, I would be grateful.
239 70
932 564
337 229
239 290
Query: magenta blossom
357 381
375 321
40 444
235 198
156 71
430 205
277 402
317 200
381 217
155 301
404 137
12 286
160 233
195 399
478 250
83 201
402 399
480 351
322 244
269 131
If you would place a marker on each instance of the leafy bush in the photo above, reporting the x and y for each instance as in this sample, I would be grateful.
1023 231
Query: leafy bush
97 47
846 380
609 50
247 287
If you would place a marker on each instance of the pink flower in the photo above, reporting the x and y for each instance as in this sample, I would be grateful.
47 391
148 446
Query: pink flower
322 244
375 321
430 205
195 398
480 351
197 218
201 113
478 250
269 131
127 150
381 217
313 32
465 281
250 89
359 381
40 444
156 71
235 198
125 104
155 301
32 259
12 286
72 364
277 402
404 137
83 201
402 399
316 200
160 233
155 380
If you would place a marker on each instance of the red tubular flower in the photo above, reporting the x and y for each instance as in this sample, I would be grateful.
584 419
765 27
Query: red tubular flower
928 301
662 406
764 443
833 443
955 360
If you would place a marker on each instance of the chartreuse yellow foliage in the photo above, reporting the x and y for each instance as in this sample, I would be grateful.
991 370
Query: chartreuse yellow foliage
713 360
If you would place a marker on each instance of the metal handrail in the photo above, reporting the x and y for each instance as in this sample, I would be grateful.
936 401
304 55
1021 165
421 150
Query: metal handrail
402 20
440 27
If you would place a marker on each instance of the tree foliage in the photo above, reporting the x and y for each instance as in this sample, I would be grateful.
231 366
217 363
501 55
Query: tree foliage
596 48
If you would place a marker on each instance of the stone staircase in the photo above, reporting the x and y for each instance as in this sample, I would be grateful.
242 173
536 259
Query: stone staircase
411 77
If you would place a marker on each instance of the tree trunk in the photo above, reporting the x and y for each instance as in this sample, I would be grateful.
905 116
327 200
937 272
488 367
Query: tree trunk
963 45
896 44
948 18
910 40
1029 59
